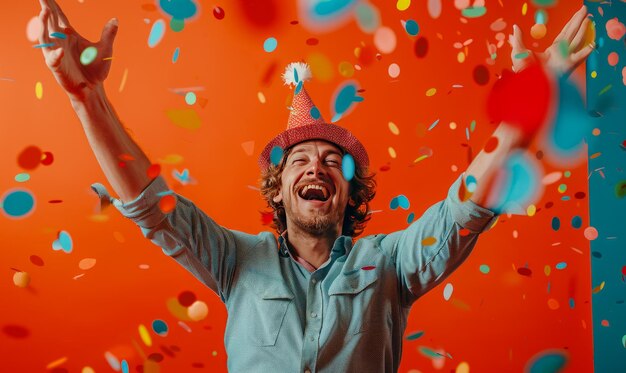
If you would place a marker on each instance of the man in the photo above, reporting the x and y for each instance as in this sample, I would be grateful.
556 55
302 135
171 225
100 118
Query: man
316 300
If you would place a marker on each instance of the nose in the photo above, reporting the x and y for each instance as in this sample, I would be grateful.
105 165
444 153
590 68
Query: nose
316 168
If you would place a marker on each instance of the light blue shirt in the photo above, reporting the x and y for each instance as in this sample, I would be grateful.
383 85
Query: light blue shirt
349 315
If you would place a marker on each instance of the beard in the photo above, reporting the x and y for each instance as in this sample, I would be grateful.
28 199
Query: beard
315 225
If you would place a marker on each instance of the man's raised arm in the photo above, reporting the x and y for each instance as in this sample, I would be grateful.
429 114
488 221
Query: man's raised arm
83 83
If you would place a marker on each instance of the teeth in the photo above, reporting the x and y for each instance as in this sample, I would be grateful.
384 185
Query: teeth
312 186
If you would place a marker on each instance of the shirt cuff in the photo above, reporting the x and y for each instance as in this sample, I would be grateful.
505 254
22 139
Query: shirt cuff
468 214
144 209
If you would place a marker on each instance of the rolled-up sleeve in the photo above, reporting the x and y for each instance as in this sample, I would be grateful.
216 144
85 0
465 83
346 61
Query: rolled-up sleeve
185 233
433 246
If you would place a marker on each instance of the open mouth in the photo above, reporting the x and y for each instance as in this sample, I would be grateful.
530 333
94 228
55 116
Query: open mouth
314 192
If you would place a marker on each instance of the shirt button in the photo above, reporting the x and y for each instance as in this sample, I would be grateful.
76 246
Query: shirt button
313 315
314 281
312 338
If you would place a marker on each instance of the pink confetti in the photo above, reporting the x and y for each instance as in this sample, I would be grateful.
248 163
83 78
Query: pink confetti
615 29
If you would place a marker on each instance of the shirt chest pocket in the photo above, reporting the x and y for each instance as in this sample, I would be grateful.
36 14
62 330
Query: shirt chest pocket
354 297
265 310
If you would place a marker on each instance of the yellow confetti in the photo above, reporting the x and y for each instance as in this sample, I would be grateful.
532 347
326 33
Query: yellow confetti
39 90
321 67
346 69
598 288
595 155
460 57
392 152
403 4
184 118
547 270
594 74
172 159
261 97
431 92
87 369
145 336
531 210
463 367
421 158
524 9
56 363
393 128
123 82
429 241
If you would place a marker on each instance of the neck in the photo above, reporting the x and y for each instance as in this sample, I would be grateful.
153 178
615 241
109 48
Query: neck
315 249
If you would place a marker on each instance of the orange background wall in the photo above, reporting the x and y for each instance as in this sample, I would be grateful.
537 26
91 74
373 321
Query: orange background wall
493 322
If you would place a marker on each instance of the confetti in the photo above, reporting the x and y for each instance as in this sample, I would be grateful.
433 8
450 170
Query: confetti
403 5
474 12
33 29
167 203
184 118
156 33
385 40
549 361
39 90
218 13
21 279
16 331
393 70
431 92
348 167
190 98
17 203
198 311
590 233
411 27
367 17
344 98
414 336
399 201
276 154
63 242
421 47
270 44
160 327
88 55
428 241
179 9
393 128
434 8
615 29
144 335
87 264
29 158
484 269
481 75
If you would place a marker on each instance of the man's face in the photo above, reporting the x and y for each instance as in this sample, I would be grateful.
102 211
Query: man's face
313 189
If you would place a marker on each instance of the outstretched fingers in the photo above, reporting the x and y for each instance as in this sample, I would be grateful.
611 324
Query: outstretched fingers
580 35
578 57
573 25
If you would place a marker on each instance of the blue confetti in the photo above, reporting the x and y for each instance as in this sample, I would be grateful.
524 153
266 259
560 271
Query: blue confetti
572 304
548 362
577 222
156 33
410 218
176 55
276 155
433 125
125 366
45 45
556 223
179 9
270 44
411 27
58 35
18 203
521 185
348 167
315 113
345 97
160 327
561 265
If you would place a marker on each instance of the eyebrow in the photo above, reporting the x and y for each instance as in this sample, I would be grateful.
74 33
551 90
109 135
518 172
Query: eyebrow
327 152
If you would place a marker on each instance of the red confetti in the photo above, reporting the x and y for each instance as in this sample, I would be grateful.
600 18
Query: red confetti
312 41
36 260
481 75
186 298
522 100
384 168
366 55
15 331
464 232
421 47
524 271
491 144
154 171
167 203
580 195
368 268
156 357
624 270
29 158
55 201
218 13
267 218
47 159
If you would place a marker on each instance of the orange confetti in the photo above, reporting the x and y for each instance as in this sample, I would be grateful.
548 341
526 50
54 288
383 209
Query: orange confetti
154 170
429 241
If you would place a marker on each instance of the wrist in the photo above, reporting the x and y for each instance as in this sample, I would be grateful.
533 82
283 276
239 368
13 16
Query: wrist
88 98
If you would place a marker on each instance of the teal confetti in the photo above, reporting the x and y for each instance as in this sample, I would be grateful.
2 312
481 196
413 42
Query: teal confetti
414 336
190 98
45 45
433 125
176 55
270 45
58 35
88 55
348 167
561 265
276 155
22 178
474 12
18 203
411 27
484 269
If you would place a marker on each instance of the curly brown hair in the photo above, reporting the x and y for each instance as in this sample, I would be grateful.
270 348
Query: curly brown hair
362 191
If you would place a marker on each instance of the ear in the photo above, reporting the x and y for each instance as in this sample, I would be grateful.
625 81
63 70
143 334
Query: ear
278 197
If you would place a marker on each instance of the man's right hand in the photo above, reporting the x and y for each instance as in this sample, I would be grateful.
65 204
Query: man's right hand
64 56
